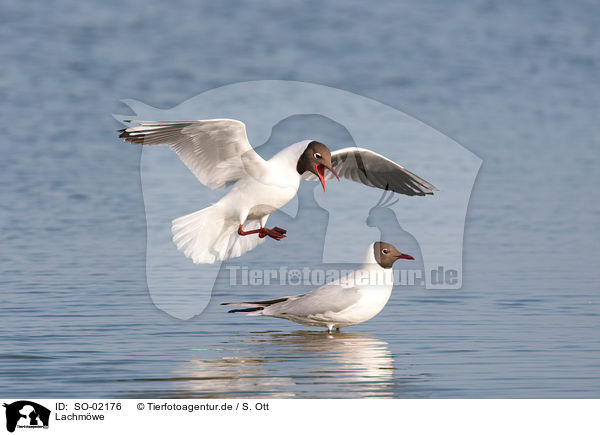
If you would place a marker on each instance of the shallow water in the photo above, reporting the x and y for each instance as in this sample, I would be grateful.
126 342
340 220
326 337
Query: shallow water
515 85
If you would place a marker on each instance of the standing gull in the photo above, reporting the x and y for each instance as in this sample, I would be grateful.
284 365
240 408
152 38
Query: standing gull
350 300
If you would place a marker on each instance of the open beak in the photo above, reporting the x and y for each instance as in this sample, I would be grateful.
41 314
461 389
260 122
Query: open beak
405 256
321 173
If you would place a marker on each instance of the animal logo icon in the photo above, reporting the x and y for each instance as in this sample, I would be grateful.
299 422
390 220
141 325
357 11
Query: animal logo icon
24 413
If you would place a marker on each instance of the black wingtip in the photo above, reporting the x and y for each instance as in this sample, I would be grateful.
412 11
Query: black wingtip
246 310
137 140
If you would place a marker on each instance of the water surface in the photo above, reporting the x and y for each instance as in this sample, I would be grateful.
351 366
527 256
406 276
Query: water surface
517 85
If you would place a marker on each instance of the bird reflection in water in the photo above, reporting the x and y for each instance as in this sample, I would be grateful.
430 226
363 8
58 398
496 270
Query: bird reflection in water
302 364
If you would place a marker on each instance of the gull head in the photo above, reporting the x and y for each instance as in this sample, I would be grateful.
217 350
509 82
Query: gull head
386 254
316 158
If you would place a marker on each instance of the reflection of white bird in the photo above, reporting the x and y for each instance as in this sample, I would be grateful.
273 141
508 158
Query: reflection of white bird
350 300
218 153
358 365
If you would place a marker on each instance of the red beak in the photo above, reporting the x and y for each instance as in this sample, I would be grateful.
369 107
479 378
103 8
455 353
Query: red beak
321 173
405 256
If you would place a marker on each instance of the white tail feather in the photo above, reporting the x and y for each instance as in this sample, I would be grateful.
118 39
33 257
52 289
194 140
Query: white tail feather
207 236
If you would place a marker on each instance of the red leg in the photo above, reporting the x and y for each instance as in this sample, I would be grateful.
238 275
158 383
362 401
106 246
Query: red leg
275 232
241 232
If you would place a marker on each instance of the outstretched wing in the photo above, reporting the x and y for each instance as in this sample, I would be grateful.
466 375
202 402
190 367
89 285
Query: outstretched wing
372 169
217 151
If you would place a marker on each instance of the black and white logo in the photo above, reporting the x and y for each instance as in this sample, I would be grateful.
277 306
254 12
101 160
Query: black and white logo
26 414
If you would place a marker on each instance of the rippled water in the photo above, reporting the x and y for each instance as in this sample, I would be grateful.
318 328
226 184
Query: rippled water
517 85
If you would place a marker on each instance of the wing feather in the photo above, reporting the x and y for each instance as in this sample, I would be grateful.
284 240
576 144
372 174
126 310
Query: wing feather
330 298
215 150
372 169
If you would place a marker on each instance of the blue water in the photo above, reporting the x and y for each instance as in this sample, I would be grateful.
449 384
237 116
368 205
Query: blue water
517 84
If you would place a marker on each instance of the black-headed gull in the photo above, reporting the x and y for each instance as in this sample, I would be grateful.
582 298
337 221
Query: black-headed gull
218 153
350 300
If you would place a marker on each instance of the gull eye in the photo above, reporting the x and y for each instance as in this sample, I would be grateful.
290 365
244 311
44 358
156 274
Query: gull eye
317 155
385 251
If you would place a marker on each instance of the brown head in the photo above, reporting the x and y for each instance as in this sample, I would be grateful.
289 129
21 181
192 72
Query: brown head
386 254
316 158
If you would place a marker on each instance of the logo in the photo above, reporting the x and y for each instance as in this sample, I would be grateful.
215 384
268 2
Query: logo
26 414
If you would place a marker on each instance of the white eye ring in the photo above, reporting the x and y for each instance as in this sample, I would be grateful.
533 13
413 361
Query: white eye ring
317 155
385 251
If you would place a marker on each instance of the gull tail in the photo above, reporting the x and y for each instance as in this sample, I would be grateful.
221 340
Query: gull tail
250 311
256 307
208 235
